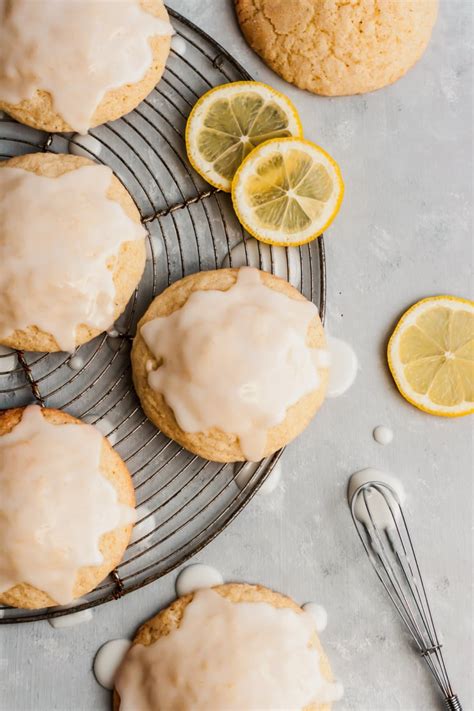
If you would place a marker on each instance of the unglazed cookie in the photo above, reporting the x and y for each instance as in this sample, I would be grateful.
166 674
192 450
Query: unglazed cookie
111 545
127 268
40 110
219 443
171 619
334 48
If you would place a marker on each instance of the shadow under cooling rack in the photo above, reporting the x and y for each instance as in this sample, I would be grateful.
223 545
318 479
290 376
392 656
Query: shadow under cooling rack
183 501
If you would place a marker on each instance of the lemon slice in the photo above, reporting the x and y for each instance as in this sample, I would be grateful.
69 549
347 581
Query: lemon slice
229 121
431 356
287 191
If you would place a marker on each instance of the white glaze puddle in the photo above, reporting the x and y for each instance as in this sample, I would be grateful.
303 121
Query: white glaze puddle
8 359
76 362
85 146
178 45
76 618
143 528
282 261
195 577
383 434
381 513
249 468
108 659
343 368
318 613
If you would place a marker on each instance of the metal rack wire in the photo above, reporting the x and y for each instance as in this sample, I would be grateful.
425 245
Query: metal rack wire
183 501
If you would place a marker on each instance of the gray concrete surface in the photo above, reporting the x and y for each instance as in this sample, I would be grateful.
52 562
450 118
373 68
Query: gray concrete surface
404 232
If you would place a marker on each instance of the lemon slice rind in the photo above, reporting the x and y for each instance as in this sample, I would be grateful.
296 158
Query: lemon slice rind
433 361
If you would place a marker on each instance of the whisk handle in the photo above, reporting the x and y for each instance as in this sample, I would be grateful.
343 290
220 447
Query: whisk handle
453 703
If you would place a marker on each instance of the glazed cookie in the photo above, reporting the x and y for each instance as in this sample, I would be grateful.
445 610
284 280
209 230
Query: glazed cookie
46 80
66 507
230 363
67 272
335 48
247 628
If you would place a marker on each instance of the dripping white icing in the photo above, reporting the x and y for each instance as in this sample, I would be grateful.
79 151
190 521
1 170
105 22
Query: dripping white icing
107 661
195 577
246 471
49 473
56 263
343 370
178 45
282 261
76 362
318 613
77 54
216 657
381 513
76 618
234 359
383 434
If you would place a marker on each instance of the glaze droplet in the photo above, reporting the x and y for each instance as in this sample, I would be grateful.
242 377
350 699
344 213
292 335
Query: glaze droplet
178 45
75 618
383 434
318 613
343 368
195 577
108 659
381 512
76 362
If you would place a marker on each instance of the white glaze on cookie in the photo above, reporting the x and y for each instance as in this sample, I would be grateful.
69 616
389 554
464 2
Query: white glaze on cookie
235 359
77 55
56 263
223 666
55 504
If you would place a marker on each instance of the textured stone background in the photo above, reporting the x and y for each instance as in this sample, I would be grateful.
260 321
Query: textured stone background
404 232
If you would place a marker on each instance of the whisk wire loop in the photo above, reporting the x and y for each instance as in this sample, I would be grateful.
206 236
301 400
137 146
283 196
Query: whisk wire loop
383 531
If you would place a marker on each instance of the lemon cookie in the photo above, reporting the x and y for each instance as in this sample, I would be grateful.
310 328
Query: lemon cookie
207 649
335 48
91 63
227 363
66 507
68 271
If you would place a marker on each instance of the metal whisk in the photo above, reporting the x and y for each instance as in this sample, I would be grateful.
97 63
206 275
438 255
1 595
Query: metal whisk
387 542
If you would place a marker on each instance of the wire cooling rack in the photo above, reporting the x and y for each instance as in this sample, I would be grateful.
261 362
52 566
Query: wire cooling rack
183 501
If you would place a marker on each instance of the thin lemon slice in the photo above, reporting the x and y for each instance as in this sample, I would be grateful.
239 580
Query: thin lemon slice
431 356
287 191
229 121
